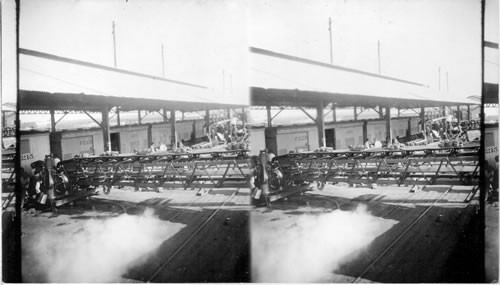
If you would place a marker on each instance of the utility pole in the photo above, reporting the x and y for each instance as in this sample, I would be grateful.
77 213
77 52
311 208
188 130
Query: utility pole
330 33
230 84
114 44
223 82
378 44
162 62
447 87
439 76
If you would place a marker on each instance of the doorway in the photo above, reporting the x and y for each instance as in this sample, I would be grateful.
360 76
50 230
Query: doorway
330 138
115 142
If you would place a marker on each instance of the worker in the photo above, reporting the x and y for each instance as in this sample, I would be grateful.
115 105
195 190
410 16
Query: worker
368 144
494 182
376 143
163 147
152 147
489 174
270 156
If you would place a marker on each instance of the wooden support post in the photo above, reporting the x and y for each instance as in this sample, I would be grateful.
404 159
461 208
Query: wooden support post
105 128
269 118
52 121
243 116
399 112
355 113
380 112
165 119
334 113
408 131
459 115
139 119
422 118
4 123
173 130
388 123
118 115
150 134
365 130
182 117
469 117
320 122
207 122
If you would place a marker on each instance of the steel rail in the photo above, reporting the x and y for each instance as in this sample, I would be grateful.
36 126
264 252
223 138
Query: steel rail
179 249
399 237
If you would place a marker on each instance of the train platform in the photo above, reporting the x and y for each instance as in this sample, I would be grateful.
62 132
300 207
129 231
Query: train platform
388 234
188 236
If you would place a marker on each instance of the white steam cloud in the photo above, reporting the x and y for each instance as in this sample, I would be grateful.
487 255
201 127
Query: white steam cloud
103 250
312 248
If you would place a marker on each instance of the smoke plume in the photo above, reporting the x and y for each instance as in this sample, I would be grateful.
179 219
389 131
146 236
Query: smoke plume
102 250
314 246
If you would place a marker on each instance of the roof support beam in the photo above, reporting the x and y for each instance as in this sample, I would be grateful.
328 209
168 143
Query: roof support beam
140 117
146 113
275 115
309 115
90 116
327 113
60 119
164 114
416 112
380 112
356 113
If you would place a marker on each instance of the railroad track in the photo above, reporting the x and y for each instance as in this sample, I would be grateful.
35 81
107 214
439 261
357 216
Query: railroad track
399 236
180 248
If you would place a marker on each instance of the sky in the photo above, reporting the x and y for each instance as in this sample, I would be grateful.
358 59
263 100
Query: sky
417 38
205 42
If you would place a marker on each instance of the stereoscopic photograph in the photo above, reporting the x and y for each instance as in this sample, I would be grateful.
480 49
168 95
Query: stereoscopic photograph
328 141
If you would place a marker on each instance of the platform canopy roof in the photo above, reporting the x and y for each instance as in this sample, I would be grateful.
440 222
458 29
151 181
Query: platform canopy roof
30 100
279 79
49 81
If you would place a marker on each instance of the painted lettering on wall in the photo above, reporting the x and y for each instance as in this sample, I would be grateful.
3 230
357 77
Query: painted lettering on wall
491 149
86 141
301 138
27 156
